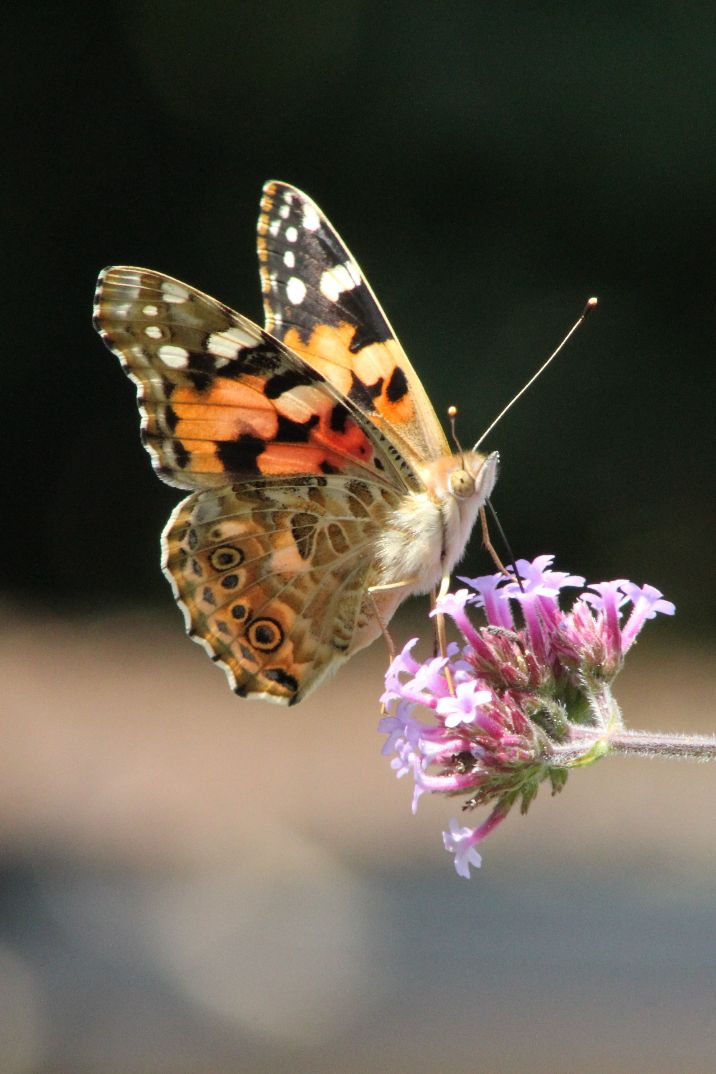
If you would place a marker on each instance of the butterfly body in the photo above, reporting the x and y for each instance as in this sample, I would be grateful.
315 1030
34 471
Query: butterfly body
322 489
427 533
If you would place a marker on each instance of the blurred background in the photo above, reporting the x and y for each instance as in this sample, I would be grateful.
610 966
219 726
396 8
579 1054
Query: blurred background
191 883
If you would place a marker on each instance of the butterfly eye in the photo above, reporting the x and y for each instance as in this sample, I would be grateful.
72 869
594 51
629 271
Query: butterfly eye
462 484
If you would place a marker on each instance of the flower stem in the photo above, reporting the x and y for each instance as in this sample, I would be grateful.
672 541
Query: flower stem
653 744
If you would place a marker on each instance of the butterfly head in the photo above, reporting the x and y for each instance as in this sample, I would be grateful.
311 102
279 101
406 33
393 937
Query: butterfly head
465 476
456 487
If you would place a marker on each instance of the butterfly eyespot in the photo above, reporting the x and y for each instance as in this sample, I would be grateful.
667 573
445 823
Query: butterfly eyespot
240 612
265 635
230 581
462 484
226 557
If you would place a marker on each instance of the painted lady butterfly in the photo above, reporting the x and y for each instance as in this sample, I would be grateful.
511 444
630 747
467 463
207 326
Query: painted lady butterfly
324 491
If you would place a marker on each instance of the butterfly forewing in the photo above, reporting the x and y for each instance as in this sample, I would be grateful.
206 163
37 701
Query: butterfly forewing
221 398
318 302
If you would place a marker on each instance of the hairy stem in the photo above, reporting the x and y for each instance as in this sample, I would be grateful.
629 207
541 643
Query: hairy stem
653 744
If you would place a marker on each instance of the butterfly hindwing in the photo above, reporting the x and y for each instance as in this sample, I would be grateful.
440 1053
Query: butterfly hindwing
272 577
221 398
317 301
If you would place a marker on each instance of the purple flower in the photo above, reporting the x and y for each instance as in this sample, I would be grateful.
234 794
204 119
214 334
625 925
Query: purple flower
538 595
647 603
461 842
453 604
513 705
489 596
403 664
461 707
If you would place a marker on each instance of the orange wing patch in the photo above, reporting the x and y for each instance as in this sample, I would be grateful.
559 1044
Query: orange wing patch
376 369
233 429
222 399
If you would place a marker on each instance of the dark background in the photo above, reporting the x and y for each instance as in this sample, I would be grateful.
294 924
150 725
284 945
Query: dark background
191 884
491 167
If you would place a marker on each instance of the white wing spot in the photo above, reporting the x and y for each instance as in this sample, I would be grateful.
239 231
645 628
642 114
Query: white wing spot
174 357
295 291
228 344
291 234
241 336
131 284
311 219
221 347
153 331
150 311
345 277
289 259
274 228
329 287
337 280
284 211
173 292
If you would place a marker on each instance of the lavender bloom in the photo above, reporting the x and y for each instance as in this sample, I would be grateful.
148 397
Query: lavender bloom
461 842
514 704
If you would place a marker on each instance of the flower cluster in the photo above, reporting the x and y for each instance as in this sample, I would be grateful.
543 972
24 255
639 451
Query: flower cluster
517 702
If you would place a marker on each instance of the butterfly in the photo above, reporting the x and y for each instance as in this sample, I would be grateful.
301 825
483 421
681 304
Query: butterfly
323 490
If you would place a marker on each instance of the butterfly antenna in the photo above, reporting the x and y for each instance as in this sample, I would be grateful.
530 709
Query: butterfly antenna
512 561
590 304
452 415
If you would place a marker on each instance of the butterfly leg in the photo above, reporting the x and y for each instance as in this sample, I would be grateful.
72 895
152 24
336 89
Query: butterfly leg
489 547
383 625
440 635
436 632
391 585
440 641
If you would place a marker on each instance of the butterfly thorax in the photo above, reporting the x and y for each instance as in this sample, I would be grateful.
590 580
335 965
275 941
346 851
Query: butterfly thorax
426 534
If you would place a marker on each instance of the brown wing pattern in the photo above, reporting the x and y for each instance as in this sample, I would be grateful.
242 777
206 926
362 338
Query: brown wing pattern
272 577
